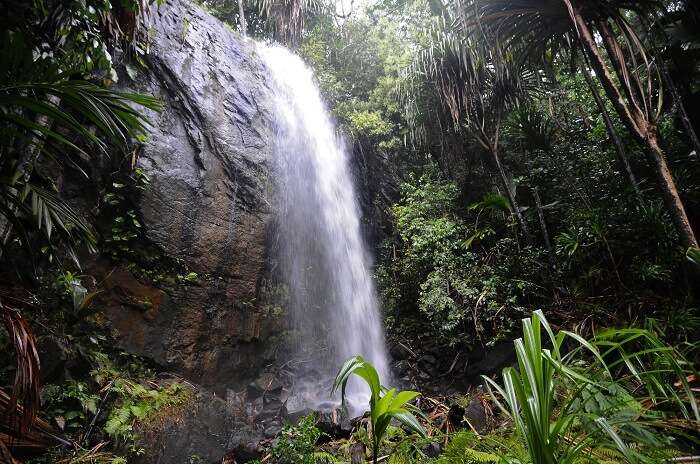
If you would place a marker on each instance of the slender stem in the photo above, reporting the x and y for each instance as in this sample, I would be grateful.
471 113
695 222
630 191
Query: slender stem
670 193
678 103
543 224
241 17
640 126
671 84
510 195
619 148
375 449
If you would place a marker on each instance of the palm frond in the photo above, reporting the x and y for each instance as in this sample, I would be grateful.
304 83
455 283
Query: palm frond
23 405
288 17
53 121
112 113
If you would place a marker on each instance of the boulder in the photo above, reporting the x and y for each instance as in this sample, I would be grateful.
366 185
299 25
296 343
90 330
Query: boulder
205 431
432 450
266 383
456 415
475 415
244 453
472 416
333 426
489 360
208 158
53 356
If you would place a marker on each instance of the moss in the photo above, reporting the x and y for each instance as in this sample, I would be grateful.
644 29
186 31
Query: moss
176 399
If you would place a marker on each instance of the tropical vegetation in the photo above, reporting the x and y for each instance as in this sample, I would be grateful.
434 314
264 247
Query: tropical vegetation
532 182
385 404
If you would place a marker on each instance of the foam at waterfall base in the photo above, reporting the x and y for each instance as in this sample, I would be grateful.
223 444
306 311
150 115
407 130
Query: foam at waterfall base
315 396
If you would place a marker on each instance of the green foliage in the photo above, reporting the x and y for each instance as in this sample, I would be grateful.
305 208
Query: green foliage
370 123
71 405
693 255
29 197
138 404
529 393
491 201
297 443
117 401
94 455
445 261
460 451
358 68
56 115
597 410
605 251
385 405
118 199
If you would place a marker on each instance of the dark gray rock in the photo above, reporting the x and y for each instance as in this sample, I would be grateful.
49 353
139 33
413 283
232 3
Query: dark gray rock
266 383
295 416
272 429
208 157
489 360
204 432
472 416
53 356
400 352
378 178
455 415
432 450
333 426
475 414
245 453
402 367
357 453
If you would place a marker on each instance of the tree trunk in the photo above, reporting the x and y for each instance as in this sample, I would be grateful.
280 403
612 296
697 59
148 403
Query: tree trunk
670 193
510 194
543 224
630 120
241 18
680 107
639 126
619 148
628 78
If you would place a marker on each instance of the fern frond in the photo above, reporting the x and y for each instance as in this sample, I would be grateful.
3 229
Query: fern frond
323 457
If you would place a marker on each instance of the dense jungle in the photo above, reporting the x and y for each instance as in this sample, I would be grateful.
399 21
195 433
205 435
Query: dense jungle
315 232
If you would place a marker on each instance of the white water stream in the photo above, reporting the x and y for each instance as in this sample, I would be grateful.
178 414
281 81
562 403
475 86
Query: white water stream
325 264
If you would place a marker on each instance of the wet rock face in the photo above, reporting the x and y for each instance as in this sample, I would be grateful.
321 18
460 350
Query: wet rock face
377 179
210 430
208 158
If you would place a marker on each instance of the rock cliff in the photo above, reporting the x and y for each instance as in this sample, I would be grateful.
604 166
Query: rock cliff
208 202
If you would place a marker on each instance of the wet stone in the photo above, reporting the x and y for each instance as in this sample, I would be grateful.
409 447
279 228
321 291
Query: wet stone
272 429
432 450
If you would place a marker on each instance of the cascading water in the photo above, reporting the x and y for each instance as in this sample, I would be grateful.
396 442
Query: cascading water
332 299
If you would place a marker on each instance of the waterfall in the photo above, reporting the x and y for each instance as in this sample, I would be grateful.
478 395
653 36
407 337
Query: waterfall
324 262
